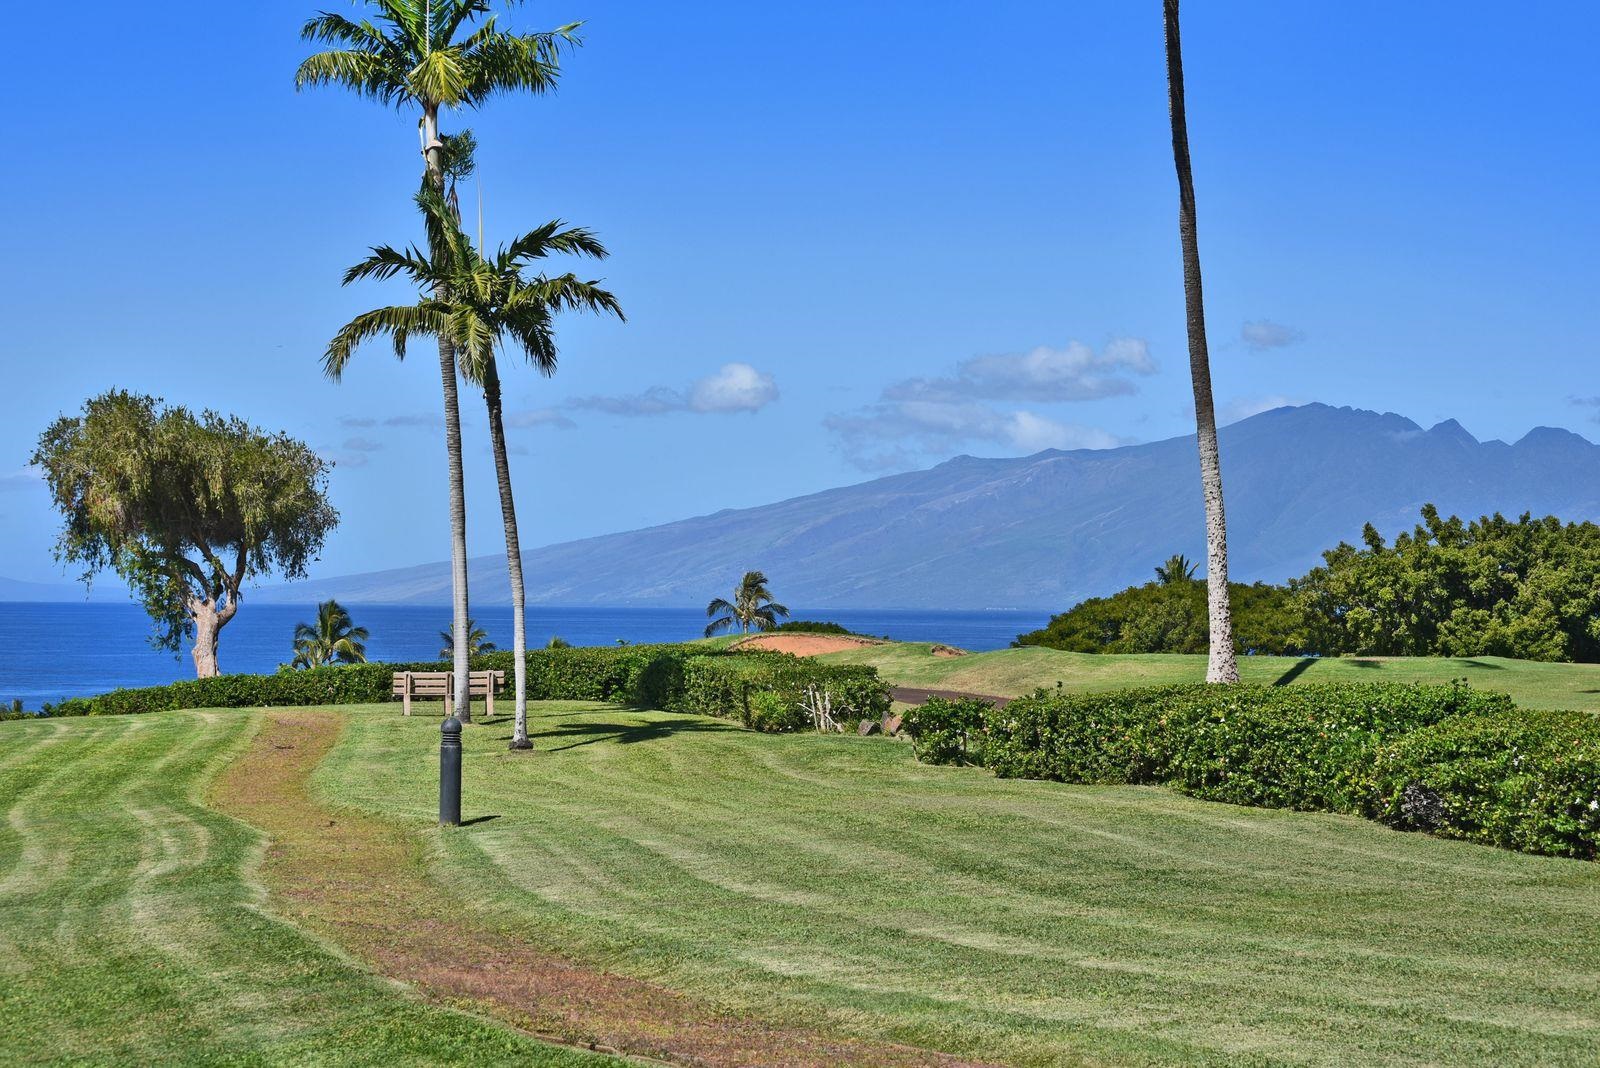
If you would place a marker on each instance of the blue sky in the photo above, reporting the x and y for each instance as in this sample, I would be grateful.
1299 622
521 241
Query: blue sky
850 239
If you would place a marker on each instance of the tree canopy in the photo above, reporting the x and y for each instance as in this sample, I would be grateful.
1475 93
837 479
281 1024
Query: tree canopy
184 508
1168 615
1491 587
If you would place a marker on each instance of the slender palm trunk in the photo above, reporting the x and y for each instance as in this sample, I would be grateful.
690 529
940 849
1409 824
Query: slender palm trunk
508 513
1222 666
452 439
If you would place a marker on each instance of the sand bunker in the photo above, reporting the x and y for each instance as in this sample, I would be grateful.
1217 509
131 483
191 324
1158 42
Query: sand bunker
805 644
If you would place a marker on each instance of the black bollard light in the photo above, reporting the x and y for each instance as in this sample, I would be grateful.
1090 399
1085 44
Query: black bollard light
450 773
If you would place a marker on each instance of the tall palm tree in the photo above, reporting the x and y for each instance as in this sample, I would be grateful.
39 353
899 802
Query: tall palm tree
1178 568
430 55
752 606
332 639
482 305
1222 666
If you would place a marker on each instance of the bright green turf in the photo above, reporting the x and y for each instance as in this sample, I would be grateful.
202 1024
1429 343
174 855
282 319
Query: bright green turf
834 879
130 930
1008 672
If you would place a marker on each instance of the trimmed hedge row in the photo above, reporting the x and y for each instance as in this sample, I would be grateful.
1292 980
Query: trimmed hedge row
674 678
1458 762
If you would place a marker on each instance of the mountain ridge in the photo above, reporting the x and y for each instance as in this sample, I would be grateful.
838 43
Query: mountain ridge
1045 530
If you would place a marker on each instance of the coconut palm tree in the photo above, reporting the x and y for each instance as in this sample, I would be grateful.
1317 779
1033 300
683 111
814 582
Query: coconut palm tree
483 305
477 644
430 55
1178 568
332 639
752 606
1222 666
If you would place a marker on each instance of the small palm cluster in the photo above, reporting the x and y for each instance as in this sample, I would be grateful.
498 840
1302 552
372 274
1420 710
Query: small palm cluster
332 639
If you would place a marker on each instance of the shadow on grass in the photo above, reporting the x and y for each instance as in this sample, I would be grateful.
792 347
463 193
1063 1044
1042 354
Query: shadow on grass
479 819
1298 668
1486 667
580 734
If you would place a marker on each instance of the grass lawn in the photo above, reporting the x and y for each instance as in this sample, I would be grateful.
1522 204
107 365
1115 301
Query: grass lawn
834 882
131 927
1009 672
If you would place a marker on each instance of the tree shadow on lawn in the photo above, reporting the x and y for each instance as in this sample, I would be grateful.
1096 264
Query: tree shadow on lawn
580 734
1298 668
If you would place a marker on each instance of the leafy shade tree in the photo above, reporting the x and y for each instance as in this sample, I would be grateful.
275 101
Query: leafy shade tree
429 55
184 508
332 639
1170 617
478 642
483 305
1177 569
1222 666
752 606
1492 587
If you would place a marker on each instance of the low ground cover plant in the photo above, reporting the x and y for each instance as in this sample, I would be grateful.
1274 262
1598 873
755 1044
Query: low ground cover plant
674 678
1451 760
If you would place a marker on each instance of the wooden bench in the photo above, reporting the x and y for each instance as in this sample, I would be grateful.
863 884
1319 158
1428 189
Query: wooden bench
442 684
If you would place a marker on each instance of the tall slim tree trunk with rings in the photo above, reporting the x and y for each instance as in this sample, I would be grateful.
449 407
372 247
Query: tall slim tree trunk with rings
508 512
1222 666
452 436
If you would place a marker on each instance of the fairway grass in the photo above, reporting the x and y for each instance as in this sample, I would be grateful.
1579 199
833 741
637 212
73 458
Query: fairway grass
132 932
835 882
1010 672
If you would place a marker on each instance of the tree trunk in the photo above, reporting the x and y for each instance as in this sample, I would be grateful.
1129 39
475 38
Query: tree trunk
508 513
209 619
452 439
1222 666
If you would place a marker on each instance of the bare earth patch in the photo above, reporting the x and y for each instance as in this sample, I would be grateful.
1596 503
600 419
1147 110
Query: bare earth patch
363 884
805 644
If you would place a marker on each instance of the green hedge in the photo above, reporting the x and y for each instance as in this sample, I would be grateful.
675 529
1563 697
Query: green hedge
1455 761
677 678
1529 782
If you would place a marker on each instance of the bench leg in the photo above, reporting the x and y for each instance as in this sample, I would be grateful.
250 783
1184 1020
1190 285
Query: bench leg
488 699
405 699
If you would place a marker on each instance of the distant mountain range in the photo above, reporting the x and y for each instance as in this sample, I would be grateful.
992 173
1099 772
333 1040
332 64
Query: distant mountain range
1047 530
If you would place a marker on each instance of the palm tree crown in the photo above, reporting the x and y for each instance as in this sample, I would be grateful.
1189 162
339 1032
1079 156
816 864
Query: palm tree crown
435 53
477 641
475 303
1178 568
333 639
752 606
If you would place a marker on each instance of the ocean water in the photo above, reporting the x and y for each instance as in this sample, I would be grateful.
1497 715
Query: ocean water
52 651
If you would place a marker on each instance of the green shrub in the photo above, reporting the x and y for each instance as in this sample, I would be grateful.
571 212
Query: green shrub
678 678
807 626
772 711
1529 782
945 731
1308 747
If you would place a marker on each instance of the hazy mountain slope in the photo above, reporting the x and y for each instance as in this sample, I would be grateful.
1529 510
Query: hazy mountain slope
1049 529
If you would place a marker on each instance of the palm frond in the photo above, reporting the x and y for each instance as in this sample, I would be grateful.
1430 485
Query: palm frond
399 320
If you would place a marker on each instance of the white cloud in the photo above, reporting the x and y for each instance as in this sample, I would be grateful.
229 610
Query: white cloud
26 478
1073 373
1264 334
899 434
536 417
362 445
735 387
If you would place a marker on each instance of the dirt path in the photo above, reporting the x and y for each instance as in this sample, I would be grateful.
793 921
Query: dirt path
362 883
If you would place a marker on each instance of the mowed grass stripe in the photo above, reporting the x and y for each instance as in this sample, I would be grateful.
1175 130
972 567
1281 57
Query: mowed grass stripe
1034 922
132 930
